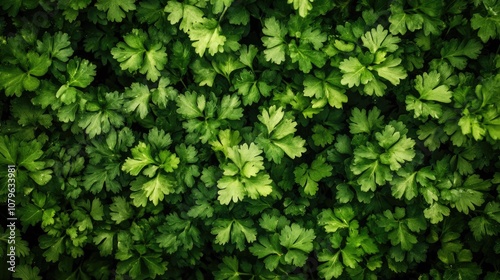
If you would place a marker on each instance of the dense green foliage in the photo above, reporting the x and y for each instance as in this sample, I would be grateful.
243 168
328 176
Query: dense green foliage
249 139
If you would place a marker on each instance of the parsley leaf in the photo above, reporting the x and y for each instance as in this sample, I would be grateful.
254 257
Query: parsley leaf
398 148
380 39
429 89
488 25
120 210
138 53
80 74
420 14
99 120
235 230
277 138
115 9
401 229
354 73
15 80
309 178
306 57
303 6
468 195
207 35
406 183
243 175
325 89
189 14
274 41
455 53
361 122
56 46
298 242
252 89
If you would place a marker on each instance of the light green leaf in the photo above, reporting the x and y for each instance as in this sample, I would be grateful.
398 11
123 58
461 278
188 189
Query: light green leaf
274 41
303 6
207 35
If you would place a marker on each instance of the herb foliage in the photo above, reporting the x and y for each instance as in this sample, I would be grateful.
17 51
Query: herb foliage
228 139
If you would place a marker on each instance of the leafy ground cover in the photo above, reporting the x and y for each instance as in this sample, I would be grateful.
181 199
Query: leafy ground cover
233 139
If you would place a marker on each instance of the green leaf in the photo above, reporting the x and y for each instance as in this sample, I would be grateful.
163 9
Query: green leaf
429 89
331 266
204 73
120 209
492 210
306 57
456 53
97 210
325 89
278 138
401 22
229 108
470 124
80 73
247 55
207 35
391 70
398 148
436 213
482 227
298 241
115 9
242 177
163 93
314 37
228 269
273 223
380 39
56 46
309 177
269 249
230 189
303 6
249 88
53 246
138 53
274 41
361 122
219 5
489 27
416 15
225 64
258 186
491 122
338 219
354 73
141 158
189 14
247 158
372 172
400 229
322 136
235 230
27 272
148 265
156 188
14 80
139 96
467 196
190 105
406 183
98 122
104 240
